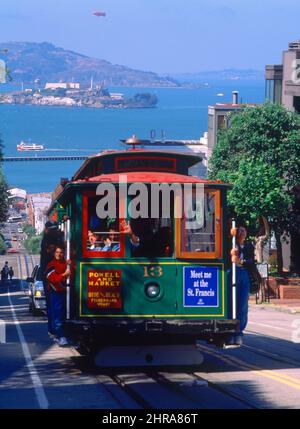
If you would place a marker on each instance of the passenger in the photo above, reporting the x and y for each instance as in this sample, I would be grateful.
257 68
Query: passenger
52 235
11 273
47 257
135 240
243 256
146 241
57 272
92 238
110 242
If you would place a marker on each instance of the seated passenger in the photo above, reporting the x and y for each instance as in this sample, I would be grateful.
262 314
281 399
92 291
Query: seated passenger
91 240
110 244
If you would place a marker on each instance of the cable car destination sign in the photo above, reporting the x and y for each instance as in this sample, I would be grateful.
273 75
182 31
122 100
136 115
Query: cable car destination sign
104 289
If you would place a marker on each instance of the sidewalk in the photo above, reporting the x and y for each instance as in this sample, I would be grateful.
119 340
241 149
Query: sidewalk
285 305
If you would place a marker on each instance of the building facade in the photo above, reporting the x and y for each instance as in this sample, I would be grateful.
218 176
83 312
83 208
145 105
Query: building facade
283 87
283 80
62 85
37 207
218 118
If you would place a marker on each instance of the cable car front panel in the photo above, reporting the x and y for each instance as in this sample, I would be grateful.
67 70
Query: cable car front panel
173 287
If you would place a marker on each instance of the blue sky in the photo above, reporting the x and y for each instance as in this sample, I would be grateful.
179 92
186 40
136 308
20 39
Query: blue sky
160 35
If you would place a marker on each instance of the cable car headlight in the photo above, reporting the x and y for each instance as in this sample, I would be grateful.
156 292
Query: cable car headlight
152 290
38 289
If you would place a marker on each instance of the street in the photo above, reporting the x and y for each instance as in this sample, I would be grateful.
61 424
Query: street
37 374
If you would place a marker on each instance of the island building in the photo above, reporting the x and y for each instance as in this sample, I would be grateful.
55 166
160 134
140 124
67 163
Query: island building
62 85
37 206
118 96
283 87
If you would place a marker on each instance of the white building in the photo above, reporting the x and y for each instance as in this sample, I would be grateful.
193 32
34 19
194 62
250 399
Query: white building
17 193
38 205
116 96
62 85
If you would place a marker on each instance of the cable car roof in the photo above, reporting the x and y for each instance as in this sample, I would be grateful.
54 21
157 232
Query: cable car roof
148 177
104 162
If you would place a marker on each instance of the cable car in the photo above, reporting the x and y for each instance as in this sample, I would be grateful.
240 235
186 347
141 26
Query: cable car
149 249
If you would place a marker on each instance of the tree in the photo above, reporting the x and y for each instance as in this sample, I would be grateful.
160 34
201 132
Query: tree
259 154
142 100
33 244
3 191
29 230
2 246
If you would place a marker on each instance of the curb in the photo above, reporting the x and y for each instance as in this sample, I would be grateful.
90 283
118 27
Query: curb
276 307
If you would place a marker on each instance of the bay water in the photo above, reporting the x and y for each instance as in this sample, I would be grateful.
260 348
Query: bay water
181 113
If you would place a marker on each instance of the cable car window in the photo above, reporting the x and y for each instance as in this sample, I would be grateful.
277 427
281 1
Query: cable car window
151 238
200 227
101 236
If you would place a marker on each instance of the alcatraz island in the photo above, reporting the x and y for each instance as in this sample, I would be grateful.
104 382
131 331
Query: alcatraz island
75 95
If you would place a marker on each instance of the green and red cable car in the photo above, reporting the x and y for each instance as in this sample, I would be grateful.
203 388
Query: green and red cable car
162 292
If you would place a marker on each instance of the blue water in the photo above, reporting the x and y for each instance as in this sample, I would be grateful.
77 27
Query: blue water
181 113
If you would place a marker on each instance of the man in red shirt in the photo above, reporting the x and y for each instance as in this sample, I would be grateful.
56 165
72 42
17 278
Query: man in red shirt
57 272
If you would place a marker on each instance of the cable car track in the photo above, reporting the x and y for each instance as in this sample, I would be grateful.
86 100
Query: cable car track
273 356
131 392
183 390
162 378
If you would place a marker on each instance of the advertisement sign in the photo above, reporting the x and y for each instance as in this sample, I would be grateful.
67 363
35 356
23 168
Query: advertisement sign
263 270
104 289
200 286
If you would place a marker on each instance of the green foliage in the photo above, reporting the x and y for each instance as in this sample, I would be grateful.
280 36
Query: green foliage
3 198
8 74
3 191
142 100
2 246
259 154
29 230
269 130
33 244
259 191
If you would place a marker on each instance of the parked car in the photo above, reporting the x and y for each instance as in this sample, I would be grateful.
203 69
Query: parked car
12 250
36 294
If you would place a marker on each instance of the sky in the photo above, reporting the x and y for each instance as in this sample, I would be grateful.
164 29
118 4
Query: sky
164 36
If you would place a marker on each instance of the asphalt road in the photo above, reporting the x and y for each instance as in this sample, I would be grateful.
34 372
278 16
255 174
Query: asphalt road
36 374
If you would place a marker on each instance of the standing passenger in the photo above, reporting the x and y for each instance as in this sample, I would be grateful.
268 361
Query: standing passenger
52 237
244 259
57 272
